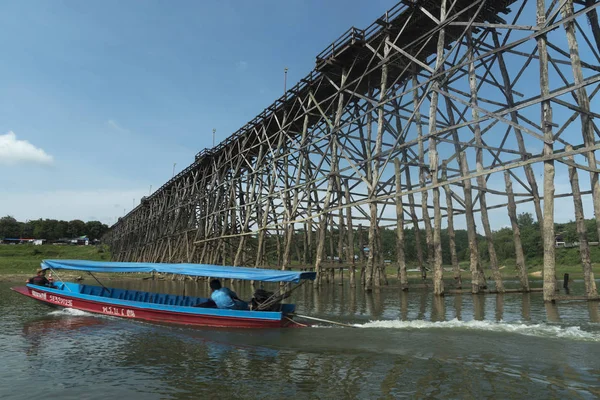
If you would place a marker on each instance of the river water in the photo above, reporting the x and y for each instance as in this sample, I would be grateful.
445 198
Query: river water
405 345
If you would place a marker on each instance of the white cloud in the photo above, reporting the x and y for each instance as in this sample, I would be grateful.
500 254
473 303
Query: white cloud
14 151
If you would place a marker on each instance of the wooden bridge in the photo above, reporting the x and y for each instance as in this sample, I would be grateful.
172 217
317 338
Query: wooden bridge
437 114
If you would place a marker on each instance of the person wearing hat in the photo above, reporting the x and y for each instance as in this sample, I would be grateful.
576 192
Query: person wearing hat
40 279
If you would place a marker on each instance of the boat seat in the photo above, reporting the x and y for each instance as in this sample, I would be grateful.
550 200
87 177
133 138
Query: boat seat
159 299
141 296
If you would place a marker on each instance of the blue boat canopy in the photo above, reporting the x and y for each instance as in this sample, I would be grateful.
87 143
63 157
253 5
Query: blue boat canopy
207 270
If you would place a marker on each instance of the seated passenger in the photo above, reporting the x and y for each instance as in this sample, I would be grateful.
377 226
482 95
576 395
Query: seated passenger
39 279
226 298
206 304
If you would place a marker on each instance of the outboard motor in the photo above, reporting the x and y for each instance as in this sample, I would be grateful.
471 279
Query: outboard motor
263 300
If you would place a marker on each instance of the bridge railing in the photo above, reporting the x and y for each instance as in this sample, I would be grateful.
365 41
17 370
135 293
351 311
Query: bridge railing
355 35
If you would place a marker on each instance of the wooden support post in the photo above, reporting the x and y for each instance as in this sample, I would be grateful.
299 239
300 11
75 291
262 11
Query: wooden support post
341 233
288 214
260 252
584 246
331 256
451 233
436 243
350 247
477 277
415 221
481 182
309 228
402 275
512 214
288 239
381 261
279 259
361 255
305 257
423 173
546 123
372 261
331 247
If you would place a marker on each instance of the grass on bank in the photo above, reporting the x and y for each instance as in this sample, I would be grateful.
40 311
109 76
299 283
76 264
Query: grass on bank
23 259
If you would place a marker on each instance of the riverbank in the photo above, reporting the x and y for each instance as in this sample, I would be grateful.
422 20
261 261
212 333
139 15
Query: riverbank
18 262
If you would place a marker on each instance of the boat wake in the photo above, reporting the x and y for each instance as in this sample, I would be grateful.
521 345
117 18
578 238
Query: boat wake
70 312
543 330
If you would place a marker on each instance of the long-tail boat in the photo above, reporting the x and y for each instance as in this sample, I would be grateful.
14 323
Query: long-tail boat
268 311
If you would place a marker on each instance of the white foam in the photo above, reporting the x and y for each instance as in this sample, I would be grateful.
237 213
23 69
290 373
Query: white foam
544 330
70 312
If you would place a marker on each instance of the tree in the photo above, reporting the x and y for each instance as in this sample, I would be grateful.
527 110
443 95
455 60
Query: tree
570 232
9 227
525 220
27 229
76 228
95 229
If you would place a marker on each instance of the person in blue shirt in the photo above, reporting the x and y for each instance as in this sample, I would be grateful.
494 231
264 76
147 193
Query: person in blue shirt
226 298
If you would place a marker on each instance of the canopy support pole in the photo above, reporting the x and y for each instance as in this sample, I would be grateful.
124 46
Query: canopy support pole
100 283
60 279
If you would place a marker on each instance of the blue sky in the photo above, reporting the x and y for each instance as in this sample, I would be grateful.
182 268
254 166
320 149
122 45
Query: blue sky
102 98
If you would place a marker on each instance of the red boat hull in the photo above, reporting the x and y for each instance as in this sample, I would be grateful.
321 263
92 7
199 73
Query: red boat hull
145 314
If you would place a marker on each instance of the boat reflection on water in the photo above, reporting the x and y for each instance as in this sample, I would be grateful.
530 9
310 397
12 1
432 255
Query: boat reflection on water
41 330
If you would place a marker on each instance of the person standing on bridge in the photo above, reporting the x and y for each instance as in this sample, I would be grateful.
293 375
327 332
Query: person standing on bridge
226 298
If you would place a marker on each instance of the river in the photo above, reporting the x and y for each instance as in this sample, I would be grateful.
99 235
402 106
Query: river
405 345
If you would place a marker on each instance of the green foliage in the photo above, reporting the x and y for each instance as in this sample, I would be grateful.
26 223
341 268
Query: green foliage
531 237
9 227
504 244
525 220
50 229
